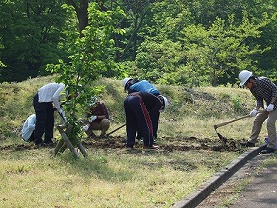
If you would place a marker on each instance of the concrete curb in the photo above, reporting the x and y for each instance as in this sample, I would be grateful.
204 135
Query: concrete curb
218 179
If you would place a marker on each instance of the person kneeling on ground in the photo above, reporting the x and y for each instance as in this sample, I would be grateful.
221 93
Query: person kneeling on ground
97 118
138 108
263 90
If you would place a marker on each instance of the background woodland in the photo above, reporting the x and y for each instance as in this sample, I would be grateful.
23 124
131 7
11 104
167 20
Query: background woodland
181 42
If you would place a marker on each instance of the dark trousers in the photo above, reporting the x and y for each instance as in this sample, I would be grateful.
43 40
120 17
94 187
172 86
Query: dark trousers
44 121
137 120
32 137
154 116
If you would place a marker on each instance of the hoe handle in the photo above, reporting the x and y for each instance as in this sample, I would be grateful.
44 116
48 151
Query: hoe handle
116 129
227 122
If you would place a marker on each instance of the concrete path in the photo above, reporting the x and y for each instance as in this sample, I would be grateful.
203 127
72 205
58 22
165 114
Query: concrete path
261 192
197 197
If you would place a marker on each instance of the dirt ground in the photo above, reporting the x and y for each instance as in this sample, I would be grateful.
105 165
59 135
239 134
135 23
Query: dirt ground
165 143
169 144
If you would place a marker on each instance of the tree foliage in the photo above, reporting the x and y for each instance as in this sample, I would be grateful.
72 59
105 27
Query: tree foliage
30 32
194 42
203 56
90 56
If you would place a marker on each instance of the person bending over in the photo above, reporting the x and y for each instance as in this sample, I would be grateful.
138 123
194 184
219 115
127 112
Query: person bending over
45 102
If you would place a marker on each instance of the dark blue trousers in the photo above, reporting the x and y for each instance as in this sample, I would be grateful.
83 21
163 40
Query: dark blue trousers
137 120
44 121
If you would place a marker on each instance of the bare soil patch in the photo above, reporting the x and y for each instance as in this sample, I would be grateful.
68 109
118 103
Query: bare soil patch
168 144
165 143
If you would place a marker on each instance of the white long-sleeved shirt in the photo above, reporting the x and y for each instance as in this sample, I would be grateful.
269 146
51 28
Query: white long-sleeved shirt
51 93
28 127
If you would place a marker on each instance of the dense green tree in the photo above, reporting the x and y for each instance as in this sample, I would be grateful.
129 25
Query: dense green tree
166 20
29 32
203 56
159 62
81 9
223 49
90 56
205 12
134 22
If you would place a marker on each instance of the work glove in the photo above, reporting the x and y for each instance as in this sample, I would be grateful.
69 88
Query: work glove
270 107
92 118
253 113
86 127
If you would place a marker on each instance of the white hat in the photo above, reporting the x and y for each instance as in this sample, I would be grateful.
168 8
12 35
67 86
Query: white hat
244 75
125 81
165 102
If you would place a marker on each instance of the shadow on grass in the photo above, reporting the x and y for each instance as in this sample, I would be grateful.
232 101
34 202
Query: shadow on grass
95 166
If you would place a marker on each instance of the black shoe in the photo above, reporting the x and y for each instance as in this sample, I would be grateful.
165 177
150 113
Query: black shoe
153 147
40 145
247 144
49 144
267 150
129 146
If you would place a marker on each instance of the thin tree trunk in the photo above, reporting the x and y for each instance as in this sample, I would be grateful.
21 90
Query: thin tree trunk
82 13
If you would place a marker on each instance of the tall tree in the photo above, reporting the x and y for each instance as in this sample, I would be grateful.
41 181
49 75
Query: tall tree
90 56
136 11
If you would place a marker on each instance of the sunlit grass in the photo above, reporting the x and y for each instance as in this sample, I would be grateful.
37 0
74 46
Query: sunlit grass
104 179
115 177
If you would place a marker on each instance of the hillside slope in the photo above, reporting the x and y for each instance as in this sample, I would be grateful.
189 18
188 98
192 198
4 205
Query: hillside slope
192 112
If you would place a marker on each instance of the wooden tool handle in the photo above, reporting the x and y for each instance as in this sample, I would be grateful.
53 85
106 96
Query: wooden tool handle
227 122
116 129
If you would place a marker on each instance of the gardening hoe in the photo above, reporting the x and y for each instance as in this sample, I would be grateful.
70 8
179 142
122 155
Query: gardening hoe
115 130
223 139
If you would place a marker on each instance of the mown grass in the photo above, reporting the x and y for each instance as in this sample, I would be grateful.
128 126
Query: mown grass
104 179
116 177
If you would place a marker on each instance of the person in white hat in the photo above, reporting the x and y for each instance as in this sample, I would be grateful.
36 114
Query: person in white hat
263 90
135 85
138 108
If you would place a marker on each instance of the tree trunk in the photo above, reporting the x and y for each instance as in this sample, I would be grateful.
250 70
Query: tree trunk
82 13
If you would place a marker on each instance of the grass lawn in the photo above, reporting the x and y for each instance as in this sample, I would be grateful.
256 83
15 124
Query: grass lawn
190 151
106 178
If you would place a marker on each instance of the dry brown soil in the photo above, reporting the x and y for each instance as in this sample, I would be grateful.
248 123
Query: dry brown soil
165 143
